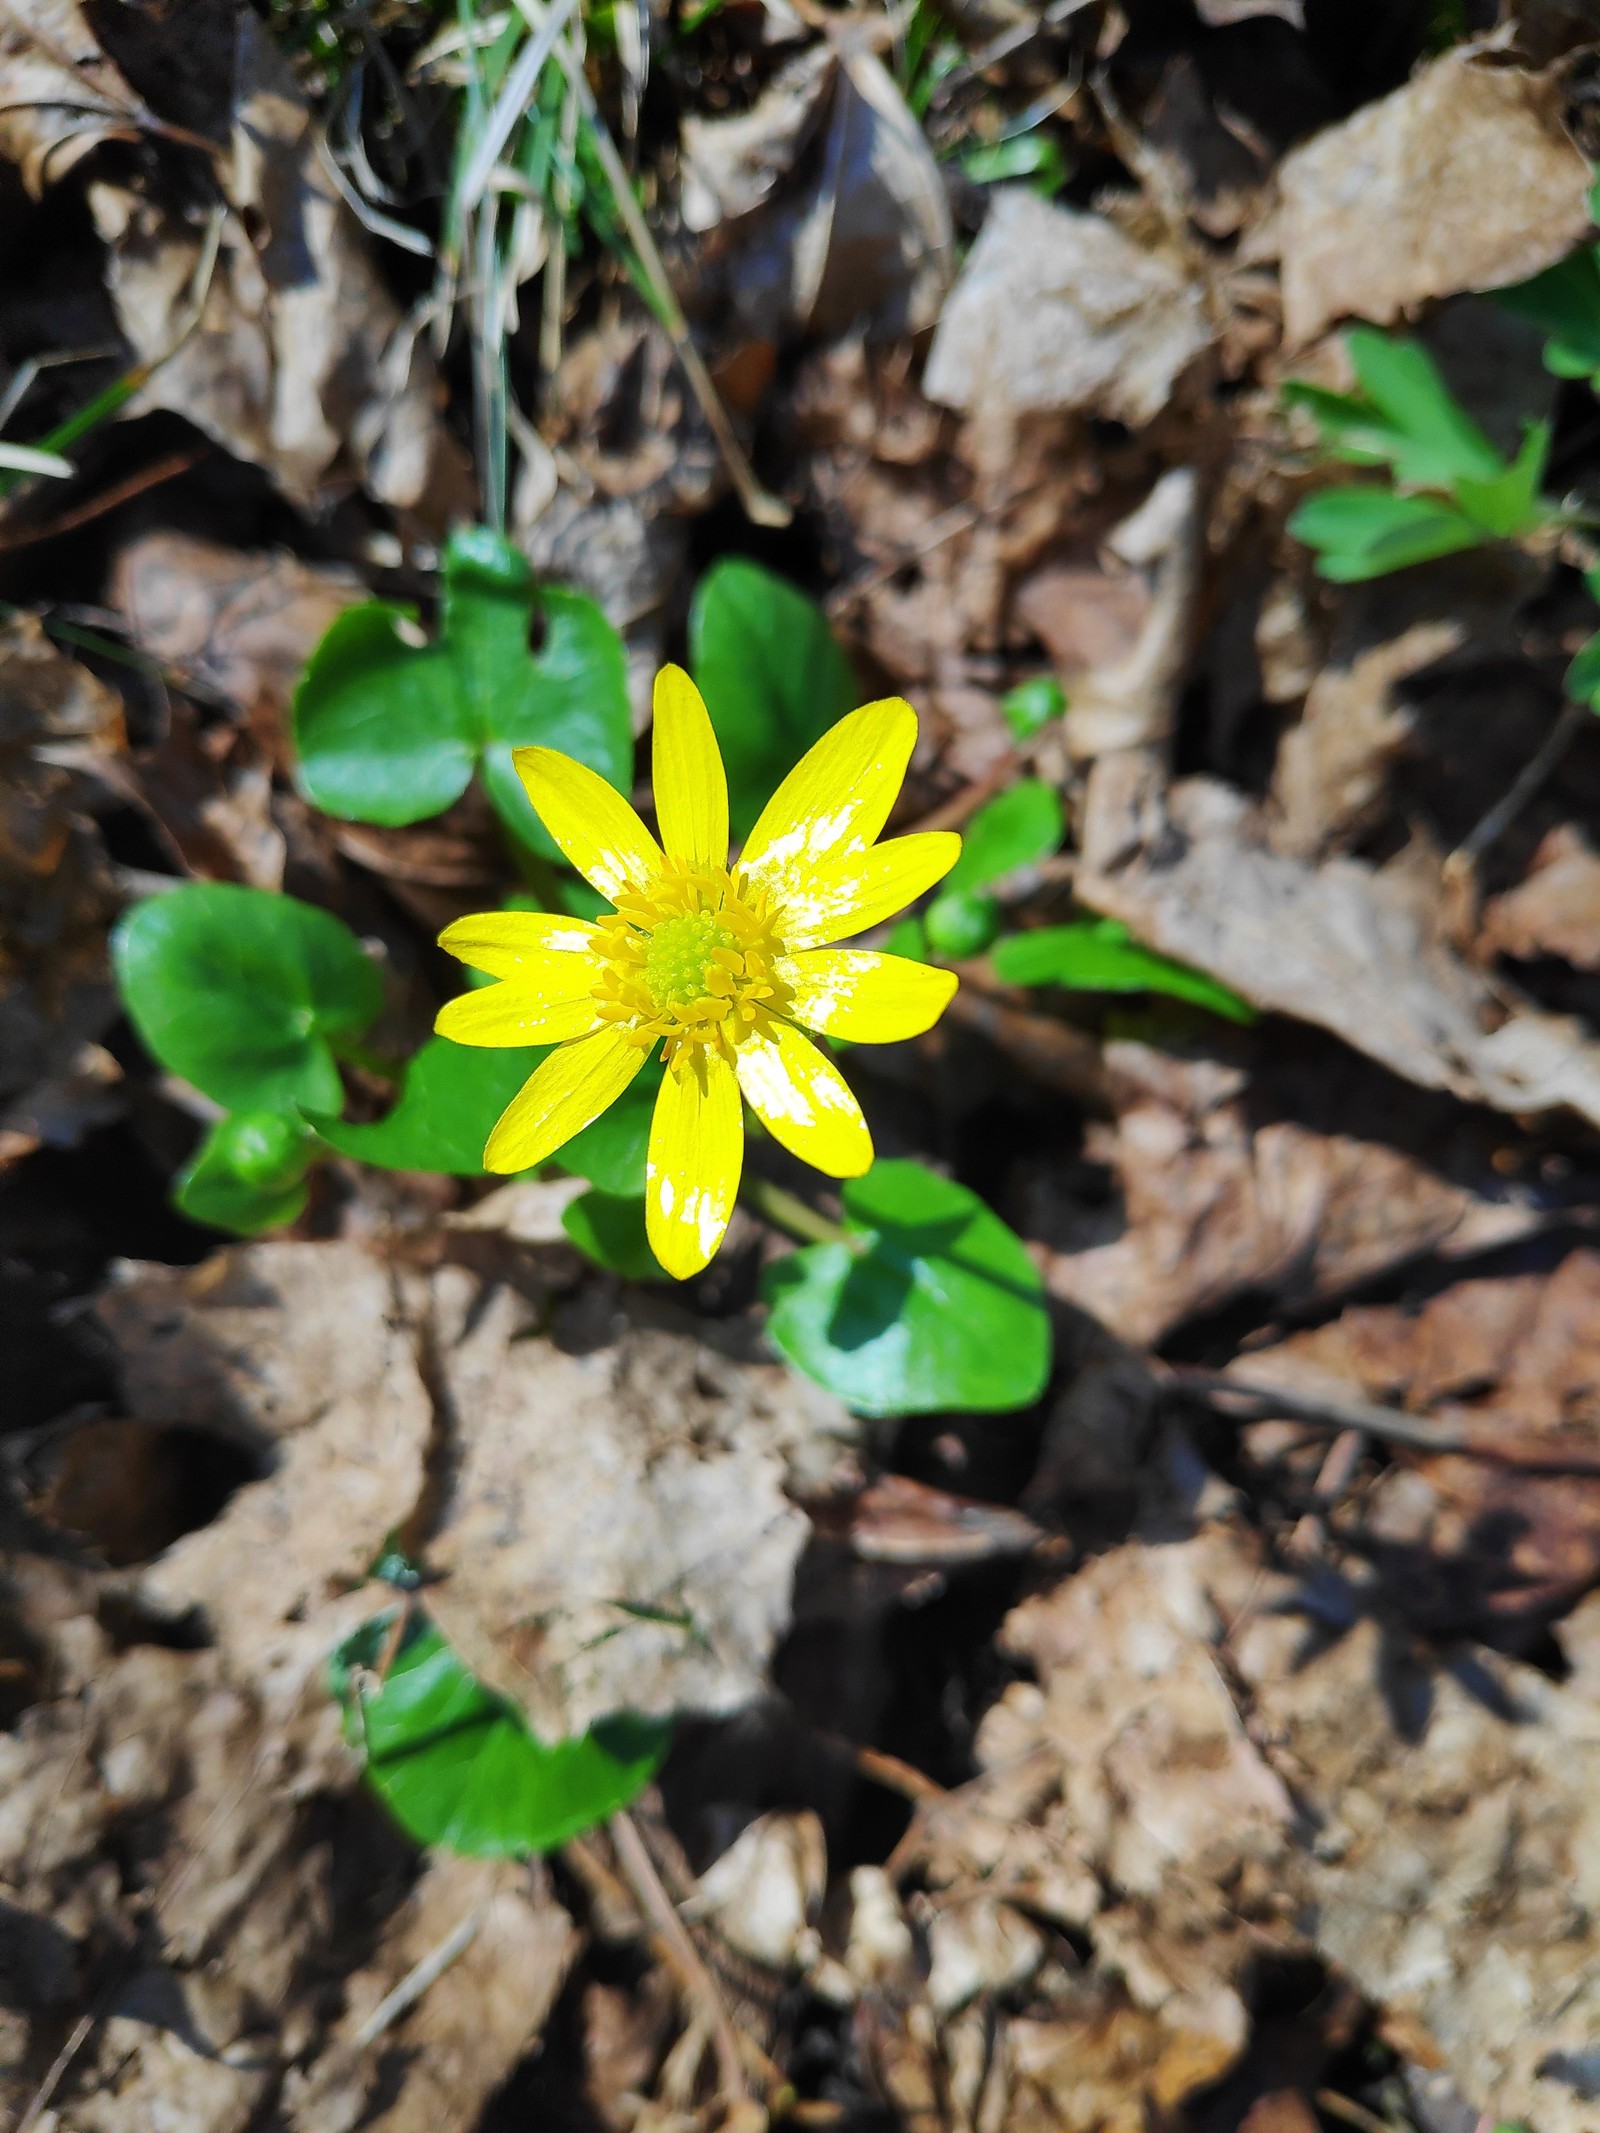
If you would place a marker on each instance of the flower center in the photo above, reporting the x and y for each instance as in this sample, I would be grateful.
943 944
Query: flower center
690 959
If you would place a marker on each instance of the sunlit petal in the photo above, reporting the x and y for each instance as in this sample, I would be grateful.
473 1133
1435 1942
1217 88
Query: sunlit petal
691 787
561 1096
696 1153
590 820
804 1101
545 1006
835 800
863 891
509 944
868 998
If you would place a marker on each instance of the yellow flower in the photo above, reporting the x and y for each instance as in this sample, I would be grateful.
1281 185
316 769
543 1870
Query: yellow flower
722 963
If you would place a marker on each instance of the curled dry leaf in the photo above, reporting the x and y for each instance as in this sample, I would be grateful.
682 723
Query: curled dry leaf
1555 909
59 726
1351 948
300 361
1059 312
1208 1766
1219 1203
1412 165
615 1534
1470 1545
63 97
764 1894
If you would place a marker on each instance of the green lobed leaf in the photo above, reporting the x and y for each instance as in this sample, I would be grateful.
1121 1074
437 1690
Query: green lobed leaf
1362 532
248 1174
239 991
1441 444
772 674
1099 955
1017 828
1510 504
933 1304
610 1229
390 731
456 1765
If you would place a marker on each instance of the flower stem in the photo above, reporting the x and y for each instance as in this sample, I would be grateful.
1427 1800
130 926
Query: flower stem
788 1212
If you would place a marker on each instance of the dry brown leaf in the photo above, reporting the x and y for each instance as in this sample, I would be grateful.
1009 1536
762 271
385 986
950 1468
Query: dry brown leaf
300 362
1555 909
63 97
1057 311
1348 947
1218 1203
733 164
617 1533
452 2048
239 626
764 1894
1469 1545
57 723
1413 167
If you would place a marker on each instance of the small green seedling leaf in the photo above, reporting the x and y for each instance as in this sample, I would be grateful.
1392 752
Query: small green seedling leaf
248 1174
1438 443
390 730
1362 532
1032 705
932 1304
772 674
610 1230
1565 302
1099 955
240 991
1509 504
456 1765
960 922
1036 156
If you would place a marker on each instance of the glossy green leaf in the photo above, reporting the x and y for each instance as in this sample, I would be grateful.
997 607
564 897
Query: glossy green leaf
1565 302
610 1230
932 1304
1361 532
456 1765
1017 828
1032 704
453 1094
389 730
1099 955
248 1174
772 674
449 1101
239 991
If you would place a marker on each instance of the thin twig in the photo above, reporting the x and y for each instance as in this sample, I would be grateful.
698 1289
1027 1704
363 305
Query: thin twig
640 1871
1353 2114
39 2102
121 492
1523 787
421 1975
1388 1424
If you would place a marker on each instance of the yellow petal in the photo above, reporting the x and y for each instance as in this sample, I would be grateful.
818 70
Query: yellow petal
869 998
544 1007
696 1153
509 943
862 891
835 800
559 1098
804 1101
590 820
691 787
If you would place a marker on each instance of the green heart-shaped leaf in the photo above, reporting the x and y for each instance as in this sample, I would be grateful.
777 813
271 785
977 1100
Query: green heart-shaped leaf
390 731
248 1174
239 991
610 1230
932 1304
1100 955
772 674
1017 828
456 1765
